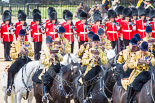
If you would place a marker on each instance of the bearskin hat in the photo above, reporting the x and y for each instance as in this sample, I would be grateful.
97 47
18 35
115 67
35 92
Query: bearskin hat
111 14
134 11
53 16
141 11
37 17
6 16
97 16
119 10
83 15
127 12
67 15
50 10
78 13
36 11
21 15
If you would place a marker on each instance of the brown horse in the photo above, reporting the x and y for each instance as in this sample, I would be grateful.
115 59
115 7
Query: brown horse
146 95
61 88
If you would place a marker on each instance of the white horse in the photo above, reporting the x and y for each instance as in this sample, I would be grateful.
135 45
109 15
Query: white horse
4 88
22 82
68 58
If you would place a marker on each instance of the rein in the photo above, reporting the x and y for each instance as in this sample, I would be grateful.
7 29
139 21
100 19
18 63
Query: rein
28 88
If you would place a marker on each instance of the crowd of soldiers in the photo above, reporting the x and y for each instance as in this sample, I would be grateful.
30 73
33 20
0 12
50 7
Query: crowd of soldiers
132 30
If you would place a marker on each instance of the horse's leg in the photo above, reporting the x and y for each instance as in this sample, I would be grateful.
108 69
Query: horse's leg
38 98
19 97
5 97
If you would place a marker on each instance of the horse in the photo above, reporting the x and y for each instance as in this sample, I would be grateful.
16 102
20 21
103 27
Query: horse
22 82
102 89
145 95
61 89
4 88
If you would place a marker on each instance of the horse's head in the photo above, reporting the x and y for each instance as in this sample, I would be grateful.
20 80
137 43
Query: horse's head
110 75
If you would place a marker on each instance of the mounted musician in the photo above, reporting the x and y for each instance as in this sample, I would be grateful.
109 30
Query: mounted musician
20 53
51 59
62 43
140 62
87 45
93 59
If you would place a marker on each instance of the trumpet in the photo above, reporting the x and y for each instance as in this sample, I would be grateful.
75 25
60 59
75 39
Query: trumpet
53 51
95 55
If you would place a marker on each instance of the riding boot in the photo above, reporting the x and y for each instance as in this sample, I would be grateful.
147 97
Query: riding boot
44 98
129 94
9 84
85 94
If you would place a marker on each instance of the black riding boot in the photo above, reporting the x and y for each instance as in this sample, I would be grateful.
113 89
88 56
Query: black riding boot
9 84
85 94
44 98
130 91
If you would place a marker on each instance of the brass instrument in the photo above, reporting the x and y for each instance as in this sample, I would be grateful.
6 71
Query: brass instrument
102 45
151 41
95 55
53 51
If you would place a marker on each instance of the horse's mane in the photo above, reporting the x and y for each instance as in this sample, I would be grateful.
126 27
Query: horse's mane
65 68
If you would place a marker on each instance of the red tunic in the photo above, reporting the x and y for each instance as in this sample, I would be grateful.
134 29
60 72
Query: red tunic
94 28
111 31
68 32
82 32
5 33
51 30
36 33
126 30
134 22
18 27
31 27
141 28
153 28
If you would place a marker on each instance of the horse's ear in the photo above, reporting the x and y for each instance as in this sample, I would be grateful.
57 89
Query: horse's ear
72 62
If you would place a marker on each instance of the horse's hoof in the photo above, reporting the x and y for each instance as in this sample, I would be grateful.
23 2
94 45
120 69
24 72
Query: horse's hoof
8 92
44 99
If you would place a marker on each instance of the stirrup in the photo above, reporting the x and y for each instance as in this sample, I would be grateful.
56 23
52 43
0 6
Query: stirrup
84 101
8 92
44 98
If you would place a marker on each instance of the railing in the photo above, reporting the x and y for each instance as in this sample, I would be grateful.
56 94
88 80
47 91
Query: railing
60 5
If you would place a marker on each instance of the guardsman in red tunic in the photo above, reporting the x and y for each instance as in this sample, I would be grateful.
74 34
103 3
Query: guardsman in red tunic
49 11
127 26
21 24
7 34
34 12
37 32
141 22
119 14
134 17
69 27
97 19
152 23
82 28
51 27
112 28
